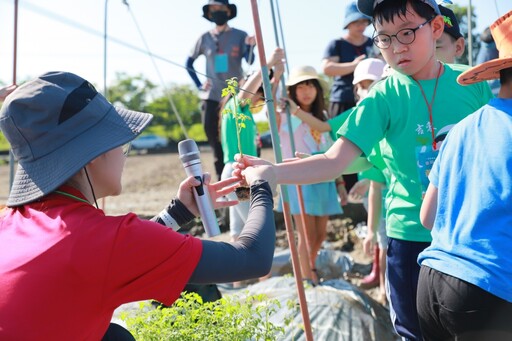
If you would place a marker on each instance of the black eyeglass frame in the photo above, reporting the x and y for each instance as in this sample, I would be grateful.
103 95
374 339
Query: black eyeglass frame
390 37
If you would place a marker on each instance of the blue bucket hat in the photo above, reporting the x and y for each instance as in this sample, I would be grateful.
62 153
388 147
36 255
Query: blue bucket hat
56 124
352 14
367 6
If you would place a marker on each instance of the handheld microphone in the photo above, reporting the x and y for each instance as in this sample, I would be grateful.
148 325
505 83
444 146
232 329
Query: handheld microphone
189 156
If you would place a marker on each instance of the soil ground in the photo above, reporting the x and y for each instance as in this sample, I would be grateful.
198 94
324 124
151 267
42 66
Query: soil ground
151 180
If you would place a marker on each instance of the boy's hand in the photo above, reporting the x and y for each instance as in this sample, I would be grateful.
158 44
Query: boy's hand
242 162
6 90
359 190
369 243
216 191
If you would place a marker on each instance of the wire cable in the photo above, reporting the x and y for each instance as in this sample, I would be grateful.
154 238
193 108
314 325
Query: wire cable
167 91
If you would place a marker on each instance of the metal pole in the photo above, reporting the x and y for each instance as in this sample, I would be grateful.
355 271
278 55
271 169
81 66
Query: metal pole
277 153
308 264
105 89
105 52
470 35
14 81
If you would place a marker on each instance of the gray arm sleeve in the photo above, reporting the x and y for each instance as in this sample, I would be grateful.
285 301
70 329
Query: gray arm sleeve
251 256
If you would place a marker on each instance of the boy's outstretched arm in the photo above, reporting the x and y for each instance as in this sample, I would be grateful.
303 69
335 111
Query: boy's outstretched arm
320 167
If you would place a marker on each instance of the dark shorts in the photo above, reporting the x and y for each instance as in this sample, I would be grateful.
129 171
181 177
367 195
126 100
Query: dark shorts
452 309
402 274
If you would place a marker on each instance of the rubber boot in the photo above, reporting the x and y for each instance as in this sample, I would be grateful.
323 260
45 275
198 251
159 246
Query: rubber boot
372 279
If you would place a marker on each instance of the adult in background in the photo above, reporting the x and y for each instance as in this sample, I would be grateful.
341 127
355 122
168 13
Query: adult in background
488 51
340 60
224 47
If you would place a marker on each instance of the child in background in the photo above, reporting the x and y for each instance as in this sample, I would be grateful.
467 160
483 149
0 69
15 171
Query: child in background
451 44
253 90
366 73
418 102
306 94
464 289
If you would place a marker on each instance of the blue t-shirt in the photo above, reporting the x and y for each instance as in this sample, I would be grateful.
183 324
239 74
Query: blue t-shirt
345 52
472 233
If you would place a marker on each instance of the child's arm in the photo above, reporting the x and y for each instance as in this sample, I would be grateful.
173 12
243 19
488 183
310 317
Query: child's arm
311 120
254 81
319 167
333 68
374 214
429 207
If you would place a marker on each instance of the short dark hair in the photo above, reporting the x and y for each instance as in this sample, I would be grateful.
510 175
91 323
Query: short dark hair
506 76
386 11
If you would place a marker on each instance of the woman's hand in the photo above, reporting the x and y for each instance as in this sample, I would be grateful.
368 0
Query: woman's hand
261 172
216 190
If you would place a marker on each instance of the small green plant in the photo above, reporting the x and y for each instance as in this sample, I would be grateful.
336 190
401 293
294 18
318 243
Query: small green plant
190 319
232 89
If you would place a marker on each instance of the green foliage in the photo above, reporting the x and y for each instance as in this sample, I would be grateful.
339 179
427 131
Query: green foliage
189 318
232 90
196 132
262 126
138 93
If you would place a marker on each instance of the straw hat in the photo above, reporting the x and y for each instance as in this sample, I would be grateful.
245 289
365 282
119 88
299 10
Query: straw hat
56 124
501 30
305 73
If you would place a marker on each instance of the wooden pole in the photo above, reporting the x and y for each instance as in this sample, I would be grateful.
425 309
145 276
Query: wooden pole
277 153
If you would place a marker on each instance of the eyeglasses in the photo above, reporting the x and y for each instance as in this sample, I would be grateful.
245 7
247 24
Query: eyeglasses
126 148
405 36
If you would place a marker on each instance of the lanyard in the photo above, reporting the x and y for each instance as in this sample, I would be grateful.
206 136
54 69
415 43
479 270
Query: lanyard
72 196
429 106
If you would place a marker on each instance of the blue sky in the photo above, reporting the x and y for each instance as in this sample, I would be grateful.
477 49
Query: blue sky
68 35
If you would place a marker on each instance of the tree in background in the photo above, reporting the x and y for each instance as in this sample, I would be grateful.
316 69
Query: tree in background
461 13
138 93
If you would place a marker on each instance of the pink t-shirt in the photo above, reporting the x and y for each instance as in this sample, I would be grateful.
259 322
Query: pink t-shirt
65 267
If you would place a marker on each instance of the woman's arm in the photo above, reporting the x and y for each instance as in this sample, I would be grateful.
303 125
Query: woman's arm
251 255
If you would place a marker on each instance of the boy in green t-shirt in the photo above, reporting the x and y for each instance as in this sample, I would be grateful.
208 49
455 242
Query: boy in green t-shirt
411 110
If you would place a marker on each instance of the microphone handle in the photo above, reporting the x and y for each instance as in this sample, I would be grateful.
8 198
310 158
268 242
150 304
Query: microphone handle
206 211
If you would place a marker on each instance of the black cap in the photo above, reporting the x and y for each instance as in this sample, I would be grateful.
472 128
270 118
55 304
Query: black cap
451 24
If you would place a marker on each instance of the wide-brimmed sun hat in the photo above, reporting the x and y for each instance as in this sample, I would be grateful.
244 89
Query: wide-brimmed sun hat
352 14
304 73
367 6
369 68
56 124
232 8
501 31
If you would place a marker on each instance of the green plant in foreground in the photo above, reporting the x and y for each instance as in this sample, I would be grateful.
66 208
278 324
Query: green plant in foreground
232 90
189 318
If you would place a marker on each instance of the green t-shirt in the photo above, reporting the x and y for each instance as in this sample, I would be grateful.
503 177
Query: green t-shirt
395 111
228 134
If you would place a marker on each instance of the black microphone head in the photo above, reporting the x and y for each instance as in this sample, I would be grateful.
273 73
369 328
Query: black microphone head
188 150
